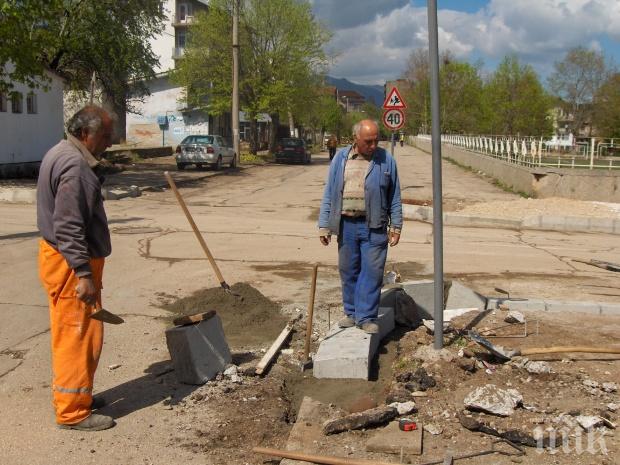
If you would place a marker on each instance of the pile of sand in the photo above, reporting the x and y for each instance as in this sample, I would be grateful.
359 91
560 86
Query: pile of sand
252 321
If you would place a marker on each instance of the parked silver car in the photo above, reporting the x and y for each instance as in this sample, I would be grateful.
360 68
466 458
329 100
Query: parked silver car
202 150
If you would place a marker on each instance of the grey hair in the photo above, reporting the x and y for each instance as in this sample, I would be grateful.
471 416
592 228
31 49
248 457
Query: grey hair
90 118
357 127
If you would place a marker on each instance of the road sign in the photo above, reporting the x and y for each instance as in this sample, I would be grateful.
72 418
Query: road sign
394 100
393 119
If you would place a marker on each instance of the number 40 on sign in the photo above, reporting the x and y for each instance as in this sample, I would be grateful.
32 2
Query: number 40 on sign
393 119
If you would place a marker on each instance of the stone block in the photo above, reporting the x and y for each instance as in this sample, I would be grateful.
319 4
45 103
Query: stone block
461 296
391 440
610 309
348 353
604 225
592 308
423 293
199 351
493 303
534 222
121 193
553 223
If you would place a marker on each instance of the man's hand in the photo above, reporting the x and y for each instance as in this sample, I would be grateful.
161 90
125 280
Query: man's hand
325 240
394 238
86 290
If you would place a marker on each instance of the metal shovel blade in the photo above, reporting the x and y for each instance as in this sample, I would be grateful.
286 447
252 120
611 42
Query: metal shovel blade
498 351
107 317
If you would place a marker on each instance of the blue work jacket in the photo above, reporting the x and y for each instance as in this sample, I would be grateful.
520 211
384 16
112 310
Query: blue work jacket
382 192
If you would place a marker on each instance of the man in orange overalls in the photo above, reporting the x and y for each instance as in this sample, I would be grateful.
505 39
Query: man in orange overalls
75 241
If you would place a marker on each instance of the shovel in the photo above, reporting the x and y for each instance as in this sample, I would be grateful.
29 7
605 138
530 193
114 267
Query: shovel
201 239
507 354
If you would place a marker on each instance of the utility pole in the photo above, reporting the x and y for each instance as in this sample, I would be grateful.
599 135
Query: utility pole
235 92
433 51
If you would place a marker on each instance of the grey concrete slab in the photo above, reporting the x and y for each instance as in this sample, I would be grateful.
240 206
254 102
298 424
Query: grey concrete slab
198 351
461 296
348 353
592 308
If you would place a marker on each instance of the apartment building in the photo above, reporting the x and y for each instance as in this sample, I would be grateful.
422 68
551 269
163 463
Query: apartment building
164 118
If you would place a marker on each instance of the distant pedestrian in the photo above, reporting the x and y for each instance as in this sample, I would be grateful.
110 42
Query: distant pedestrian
332 145
75 240
360 202
402 139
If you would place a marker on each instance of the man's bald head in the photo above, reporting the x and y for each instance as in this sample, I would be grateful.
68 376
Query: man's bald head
366 134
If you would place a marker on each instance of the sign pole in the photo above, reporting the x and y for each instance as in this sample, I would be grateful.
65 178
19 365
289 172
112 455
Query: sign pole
393 142
437 188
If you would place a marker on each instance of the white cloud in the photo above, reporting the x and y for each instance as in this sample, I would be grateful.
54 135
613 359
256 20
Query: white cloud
539 31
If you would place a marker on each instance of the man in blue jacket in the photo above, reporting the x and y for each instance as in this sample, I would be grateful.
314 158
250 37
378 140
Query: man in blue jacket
361 206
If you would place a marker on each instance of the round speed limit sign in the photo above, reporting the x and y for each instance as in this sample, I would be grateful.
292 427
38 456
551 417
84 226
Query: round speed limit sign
393 119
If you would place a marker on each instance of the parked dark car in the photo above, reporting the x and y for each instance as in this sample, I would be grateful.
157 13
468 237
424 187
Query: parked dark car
203 150
292 149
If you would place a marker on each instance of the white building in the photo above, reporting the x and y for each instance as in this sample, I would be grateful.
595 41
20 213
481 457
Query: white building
31 122
165 104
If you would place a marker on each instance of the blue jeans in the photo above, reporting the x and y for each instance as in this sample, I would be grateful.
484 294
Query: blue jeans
361 259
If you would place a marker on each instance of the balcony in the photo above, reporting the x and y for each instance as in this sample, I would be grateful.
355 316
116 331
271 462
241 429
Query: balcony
178 52
179 21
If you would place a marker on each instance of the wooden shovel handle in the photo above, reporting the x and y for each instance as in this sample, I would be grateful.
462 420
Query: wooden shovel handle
564 349
314 458
310 313
189 217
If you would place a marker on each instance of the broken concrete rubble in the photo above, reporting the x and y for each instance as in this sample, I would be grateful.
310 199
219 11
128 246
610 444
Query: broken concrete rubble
494 400
372 417
391 440
403 408
515 317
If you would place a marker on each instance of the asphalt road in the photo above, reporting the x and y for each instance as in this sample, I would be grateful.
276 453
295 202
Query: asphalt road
260 223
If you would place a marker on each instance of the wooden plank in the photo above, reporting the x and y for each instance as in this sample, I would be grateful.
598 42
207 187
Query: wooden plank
275 347
191 319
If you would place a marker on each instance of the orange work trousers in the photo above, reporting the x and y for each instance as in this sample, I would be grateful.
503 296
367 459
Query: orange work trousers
76 339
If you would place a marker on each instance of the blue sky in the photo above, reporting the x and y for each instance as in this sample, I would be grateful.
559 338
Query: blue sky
374 38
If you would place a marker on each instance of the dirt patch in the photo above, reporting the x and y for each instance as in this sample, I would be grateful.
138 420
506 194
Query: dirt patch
297 271
408 270
250 321
345 394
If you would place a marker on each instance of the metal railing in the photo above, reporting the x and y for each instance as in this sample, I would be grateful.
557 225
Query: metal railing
592 153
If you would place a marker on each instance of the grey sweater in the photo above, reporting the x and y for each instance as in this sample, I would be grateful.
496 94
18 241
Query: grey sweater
70 213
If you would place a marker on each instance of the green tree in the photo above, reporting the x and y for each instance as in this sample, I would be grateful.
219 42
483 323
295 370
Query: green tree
517 102
575 81
281 58
461 98
607 107
75 38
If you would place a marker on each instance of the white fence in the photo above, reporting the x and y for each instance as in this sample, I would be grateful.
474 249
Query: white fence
536 152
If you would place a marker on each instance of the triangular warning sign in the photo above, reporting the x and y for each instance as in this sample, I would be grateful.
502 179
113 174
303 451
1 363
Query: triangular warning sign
394 100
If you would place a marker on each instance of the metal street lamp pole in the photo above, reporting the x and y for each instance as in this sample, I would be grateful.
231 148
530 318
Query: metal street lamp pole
437 188
235 87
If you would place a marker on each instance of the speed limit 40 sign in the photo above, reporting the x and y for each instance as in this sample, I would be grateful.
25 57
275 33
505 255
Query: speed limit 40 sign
393 119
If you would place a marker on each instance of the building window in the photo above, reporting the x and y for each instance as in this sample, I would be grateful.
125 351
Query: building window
181 36
31 103
2 102
185 10
17 102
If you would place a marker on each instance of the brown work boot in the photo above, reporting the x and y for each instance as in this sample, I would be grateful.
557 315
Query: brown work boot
94 422
369 327
346 322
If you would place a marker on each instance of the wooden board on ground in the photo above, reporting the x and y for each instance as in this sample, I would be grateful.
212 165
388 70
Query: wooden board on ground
391 440
273 350
306 432
191 319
